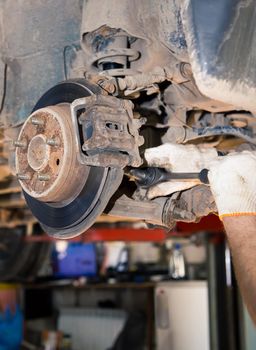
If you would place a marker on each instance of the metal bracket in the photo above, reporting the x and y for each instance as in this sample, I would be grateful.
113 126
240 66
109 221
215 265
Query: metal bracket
106 132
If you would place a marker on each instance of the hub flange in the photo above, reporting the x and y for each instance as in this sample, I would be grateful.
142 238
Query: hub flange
46 157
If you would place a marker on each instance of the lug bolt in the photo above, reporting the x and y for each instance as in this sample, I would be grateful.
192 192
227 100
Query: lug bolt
52 142
20 144
43 177
36 121
23 177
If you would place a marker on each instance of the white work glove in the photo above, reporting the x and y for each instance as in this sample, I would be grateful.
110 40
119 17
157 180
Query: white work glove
178 159
233 184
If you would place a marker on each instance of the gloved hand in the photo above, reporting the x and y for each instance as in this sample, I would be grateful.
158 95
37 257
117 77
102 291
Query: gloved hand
233 184
11 329
232 177
178 159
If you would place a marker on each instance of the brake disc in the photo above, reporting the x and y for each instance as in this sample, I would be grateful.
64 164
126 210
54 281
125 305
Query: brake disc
63 194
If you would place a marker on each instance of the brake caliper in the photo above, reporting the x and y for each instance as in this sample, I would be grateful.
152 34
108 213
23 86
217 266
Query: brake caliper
106 132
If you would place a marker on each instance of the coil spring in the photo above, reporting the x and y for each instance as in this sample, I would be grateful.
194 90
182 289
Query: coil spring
115 61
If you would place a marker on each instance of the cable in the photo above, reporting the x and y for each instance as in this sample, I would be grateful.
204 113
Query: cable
65 50
4 88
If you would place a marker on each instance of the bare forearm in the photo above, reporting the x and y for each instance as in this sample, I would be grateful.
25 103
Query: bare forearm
241 233
234 189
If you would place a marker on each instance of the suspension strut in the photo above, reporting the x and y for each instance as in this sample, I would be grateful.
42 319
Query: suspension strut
113 54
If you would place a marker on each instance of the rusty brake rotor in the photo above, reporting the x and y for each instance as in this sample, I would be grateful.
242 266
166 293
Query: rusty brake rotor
63 194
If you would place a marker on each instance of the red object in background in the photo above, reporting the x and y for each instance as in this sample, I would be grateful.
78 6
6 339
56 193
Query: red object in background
210 224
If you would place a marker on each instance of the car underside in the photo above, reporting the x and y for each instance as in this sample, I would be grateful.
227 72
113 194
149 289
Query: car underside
87 87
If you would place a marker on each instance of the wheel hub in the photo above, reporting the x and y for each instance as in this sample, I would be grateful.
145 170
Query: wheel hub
46 157
65 195
38 153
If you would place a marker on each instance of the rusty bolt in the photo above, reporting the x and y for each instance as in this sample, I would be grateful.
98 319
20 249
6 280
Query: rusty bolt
36 121
45 177
21 144
23 177
108 86
52 142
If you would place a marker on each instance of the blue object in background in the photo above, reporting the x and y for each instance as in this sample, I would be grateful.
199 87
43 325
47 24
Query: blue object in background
11 330
74 260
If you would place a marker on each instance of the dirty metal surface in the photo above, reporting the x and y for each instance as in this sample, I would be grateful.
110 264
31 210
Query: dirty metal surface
38 41
157 26
108 132
46 162
189 206
149 211
221 37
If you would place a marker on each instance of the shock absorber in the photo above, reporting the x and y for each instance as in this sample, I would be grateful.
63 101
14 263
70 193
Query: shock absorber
112 54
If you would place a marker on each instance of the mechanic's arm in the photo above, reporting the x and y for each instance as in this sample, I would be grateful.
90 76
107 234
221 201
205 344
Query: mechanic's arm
241 233
233 183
